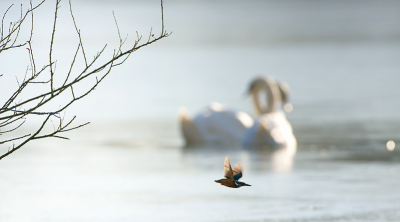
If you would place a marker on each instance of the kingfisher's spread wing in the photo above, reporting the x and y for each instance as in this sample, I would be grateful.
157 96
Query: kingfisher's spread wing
228 169
237 172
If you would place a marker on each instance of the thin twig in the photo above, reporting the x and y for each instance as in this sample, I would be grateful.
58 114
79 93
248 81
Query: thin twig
77 31
51 47
13 128
6 141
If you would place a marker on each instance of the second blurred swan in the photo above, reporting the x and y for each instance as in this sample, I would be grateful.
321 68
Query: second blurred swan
271 127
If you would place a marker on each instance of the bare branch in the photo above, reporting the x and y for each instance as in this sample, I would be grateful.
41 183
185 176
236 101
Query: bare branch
76 127
13 46
30 49
51 45
72 65
38 113
5 141
12 129
2 20
16 27
27 140
77 31
16 110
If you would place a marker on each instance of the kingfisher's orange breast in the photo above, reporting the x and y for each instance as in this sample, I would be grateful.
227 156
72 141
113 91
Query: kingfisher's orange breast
227 182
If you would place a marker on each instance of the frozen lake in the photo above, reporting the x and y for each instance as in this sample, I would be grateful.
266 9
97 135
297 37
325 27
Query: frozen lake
140 171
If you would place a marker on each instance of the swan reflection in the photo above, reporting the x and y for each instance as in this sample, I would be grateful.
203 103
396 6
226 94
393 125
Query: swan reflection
271 158
253 158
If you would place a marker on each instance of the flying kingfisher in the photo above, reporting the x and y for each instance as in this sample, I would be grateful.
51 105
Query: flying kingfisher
232 176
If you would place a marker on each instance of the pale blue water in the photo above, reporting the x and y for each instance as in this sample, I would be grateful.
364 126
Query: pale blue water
340 58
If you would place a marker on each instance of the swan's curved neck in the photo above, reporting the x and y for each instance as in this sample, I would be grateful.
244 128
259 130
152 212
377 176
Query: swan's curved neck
256 102
270 87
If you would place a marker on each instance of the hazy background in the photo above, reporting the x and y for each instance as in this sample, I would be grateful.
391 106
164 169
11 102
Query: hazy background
340 58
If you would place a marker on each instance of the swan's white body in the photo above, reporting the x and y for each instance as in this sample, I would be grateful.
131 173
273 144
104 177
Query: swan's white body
215 124
271 127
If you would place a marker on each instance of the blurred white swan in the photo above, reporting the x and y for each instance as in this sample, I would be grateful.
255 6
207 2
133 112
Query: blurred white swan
218 125
215 124
271 127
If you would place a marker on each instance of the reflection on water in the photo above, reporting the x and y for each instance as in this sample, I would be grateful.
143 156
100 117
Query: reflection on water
128 170
390 145
260 158
282 159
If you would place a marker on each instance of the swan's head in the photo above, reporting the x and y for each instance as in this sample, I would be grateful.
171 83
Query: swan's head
274 91
270 87
260 83
284 94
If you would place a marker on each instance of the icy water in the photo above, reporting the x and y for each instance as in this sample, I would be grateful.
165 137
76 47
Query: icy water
139 171
340 58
